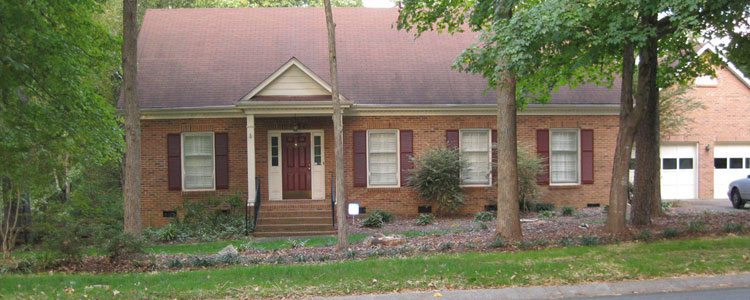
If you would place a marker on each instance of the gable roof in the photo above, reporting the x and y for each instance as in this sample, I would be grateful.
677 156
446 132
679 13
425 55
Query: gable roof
215 57
294 74
732 68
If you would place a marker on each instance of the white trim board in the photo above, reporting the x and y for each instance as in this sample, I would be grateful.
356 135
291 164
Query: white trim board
317 172
732 68
292 62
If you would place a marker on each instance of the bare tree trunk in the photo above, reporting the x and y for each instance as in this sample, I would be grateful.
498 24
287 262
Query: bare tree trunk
9 228
132 187
508 216
618 191
337 130
646 187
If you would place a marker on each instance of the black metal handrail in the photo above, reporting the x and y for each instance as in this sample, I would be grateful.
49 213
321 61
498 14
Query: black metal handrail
256 207
333 200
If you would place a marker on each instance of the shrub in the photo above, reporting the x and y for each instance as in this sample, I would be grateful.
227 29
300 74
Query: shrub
734 227
565 241
64 241
606 209
437 178
670 233
483 226
590 240
529 168
645 235
545 207
425 219
386 216
547 214
568 211
298 243
498 243
446 246
696 226
199 261
175 263
228 259
118 244
484 216
373 221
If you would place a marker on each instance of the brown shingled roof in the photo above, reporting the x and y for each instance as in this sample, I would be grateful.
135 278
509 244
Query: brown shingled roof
214 57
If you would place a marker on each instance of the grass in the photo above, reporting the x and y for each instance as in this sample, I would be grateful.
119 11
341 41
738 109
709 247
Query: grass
468 270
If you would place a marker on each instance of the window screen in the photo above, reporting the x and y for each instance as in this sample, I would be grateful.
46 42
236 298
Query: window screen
564 156
198 149
475 149
383 157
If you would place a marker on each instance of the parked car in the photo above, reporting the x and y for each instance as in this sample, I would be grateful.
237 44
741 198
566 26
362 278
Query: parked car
739 192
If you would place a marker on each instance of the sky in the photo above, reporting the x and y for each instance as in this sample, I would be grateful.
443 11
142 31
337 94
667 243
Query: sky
377 3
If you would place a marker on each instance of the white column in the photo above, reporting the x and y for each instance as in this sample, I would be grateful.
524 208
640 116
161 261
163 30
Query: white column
251 159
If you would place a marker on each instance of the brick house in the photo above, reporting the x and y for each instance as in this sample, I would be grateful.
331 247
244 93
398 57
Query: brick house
237 101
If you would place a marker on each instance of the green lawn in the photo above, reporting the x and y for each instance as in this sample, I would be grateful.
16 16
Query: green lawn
469 270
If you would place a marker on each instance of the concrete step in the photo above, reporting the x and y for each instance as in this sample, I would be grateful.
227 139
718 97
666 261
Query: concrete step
292 233
293 227
265 220
293 213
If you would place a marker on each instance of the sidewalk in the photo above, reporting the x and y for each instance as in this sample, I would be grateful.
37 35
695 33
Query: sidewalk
573 291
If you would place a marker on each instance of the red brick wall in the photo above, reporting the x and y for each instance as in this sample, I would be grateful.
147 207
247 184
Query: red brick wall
428 131
724 119
155 196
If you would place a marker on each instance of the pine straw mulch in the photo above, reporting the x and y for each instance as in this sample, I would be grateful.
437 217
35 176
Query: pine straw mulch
446 235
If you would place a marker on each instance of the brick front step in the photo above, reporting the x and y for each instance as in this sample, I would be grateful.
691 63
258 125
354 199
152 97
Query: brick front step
293 227
266 220
293 214
292 233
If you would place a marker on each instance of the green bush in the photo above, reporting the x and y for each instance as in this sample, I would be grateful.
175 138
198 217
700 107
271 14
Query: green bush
119 244
386 216
590 240
696 226
373 221
547 214
545 207
446 246
530 167
425 219
734 227
498 243
484 216
670 233
565 241
644 235
568 211
64 242
437 178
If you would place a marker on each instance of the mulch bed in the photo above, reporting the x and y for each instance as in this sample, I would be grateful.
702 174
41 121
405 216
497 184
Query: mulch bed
460 235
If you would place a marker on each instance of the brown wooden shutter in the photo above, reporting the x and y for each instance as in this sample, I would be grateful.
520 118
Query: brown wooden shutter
451 138
360 158
221 147
493 148
407 151
174 162
587 156
542 150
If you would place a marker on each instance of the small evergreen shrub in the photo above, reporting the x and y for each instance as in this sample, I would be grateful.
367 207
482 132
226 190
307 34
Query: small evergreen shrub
644 235
228 259
565 241
373 221
298 243
175 263
199 261
437 178
483 226
547 214
530 166
545 207
64 242
120 244
484 216
498 243
734 227
590 240
386 216
670 233
446 246
696 226
425 219
568 211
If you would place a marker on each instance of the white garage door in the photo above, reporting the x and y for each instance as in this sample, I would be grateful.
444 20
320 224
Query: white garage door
678 172
731 162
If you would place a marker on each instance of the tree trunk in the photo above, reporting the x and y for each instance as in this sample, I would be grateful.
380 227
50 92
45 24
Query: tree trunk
646 188
618 191
132 188
508 216
338 131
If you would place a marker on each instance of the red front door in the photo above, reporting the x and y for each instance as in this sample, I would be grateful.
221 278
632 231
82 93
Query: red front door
296 165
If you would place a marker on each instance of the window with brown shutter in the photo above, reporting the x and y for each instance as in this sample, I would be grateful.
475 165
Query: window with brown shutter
542 150
406 153
587 156
174 162
360 158
221 145
493 148
451 138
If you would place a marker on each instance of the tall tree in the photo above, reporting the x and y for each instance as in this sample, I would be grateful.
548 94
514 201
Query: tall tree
482 17
338 130
132 179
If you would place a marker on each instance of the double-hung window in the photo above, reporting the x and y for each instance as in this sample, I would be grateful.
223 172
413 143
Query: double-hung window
564 157
198 161
476 151
382 158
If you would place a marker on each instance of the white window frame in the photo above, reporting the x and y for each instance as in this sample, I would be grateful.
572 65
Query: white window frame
489 155
706 81
398 158
578 160
182 159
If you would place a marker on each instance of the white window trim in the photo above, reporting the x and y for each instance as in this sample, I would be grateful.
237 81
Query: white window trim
182 159
578 161
398 157
322 153
489 155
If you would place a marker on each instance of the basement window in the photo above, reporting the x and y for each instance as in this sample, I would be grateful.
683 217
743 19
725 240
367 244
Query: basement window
169 214
490 208
362 210
424 209
593 205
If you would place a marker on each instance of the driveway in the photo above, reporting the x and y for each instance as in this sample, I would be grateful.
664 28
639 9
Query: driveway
720 205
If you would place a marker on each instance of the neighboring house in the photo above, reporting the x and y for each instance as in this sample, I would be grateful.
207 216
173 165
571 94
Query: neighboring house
703 158
229 96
